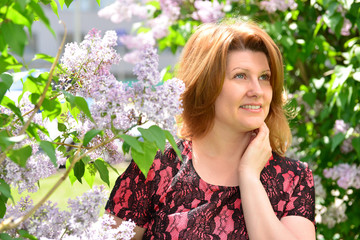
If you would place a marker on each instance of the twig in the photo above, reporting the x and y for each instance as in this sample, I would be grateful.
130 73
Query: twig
70 145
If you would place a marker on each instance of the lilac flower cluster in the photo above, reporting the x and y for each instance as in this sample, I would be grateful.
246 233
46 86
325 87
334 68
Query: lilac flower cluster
341 127
347 175
122 10
272 6
333 214
85 210
81 222
47 221
38 166
208 11
159 25
103 229
88 64
157 103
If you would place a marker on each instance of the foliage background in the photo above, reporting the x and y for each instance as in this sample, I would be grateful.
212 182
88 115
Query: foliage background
320 43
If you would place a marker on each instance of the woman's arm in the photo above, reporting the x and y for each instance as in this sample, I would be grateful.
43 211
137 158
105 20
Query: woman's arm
139 231
261 221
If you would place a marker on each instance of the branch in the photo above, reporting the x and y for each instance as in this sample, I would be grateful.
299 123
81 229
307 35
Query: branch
42 97
11 223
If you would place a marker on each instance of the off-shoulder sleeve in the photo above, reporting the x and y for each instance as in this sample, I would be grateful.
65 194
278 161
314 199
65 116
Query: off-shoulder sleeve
302 199
130 197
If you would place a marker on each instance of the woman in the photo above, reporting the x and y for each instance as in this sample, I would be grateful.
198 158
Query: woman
233 182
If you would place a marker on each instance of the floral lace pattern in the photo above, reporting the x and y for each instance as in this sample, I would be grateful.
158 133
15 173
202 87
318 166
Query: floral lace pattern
173 202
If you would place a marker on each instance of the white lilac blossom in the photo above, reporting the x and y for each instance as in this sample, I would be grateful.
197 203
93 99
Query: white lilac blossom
346 175
272 6
122 10
340 126
103 229
320 191
333 214
208 11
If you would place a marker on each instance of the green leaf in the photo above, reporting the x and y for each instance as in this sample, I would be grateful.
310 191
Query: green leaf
336 140
171 140
356 144
310 98
8 103
90 173
98 1
6 141
144 159
40 13
79 170
24 233
90 135
16 14
50 108
54 7
2 209
125 147
45 57
5 236
5 190
154 134
103 171
341 74
133 142
15 36
79 102
61 3
61 127
71 173
49 149
21 155
68 2
6 80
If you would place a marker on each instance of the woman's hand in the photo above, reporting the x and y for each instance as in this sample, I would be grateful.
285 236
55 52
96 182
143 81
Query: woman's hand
257 153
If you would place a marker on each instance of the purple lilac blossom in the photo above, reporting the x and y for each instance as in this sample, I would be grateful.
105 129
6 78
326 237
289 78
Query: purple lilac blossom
89 62
272 6
341 127
48 221
85 210
208 11
346 175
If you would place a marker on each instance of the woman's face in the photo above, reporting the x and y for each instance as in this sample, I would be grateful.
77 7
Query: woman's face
244 101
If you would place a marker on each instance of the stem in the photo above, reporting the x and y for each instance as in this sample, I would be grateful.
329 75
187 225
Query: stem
42 97
10 223
70 145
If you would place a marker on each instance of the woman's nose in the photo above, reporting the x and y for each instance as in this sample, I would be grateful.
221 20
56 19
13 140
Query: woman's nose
254 88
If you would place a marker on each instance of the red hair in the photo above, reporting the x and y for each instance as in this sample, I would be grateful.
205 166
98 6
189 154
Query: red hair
202 67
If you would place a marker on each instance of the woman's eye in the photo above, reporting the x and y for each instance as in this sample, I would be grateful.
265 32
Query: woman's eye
265 77
240 76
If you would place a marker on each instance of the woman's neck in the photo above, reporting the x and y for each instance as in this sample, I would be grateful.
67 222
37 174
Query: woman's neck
216 156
